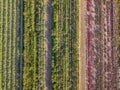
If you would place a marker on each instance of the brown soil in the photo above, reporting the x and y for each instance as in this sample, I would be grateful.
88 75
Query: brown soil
83 45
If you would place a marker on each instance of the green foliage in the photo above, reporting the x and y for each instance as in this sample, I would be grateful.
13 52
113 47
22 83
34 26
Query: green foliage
7 44
65 55
34 45
29 46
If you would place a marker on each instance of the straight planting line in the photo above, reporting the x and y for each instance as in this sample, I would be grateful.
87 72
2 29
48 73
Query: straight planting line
8 40
49 45
16 51
3 49
21 44
12 48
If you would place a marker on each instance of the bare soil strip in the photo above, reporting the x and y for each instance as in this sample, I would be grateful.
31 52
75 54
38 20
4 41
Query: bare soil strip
21 44
49 47
83 34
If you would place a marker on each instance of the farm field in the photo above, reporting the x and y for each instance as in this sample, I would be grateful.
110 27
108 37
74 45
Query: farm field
59 44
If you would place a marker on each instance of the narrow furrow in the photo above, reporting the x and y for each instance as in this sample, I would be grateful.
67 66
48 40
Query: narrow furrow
44 44
1 44
12 48
7 40
16 46
9 43
113 45
69 42
65 41
108 45
49 46
21 44
61 45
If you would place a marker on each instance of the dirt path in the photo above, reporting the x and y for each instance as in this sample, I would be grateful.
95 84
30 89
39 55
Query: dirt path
83 34
49 46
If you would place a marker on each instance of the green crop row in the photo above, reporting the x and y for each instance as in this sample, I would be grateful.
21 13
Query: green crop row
40 29
65 38
4 42
7 44
29 71
34 45
13 46
73 44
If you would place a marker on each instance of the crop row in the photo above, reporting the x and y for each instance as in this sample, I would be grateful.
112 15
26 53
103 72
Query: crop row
8 44
101 45
29 71
34 45
65 56
40 23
